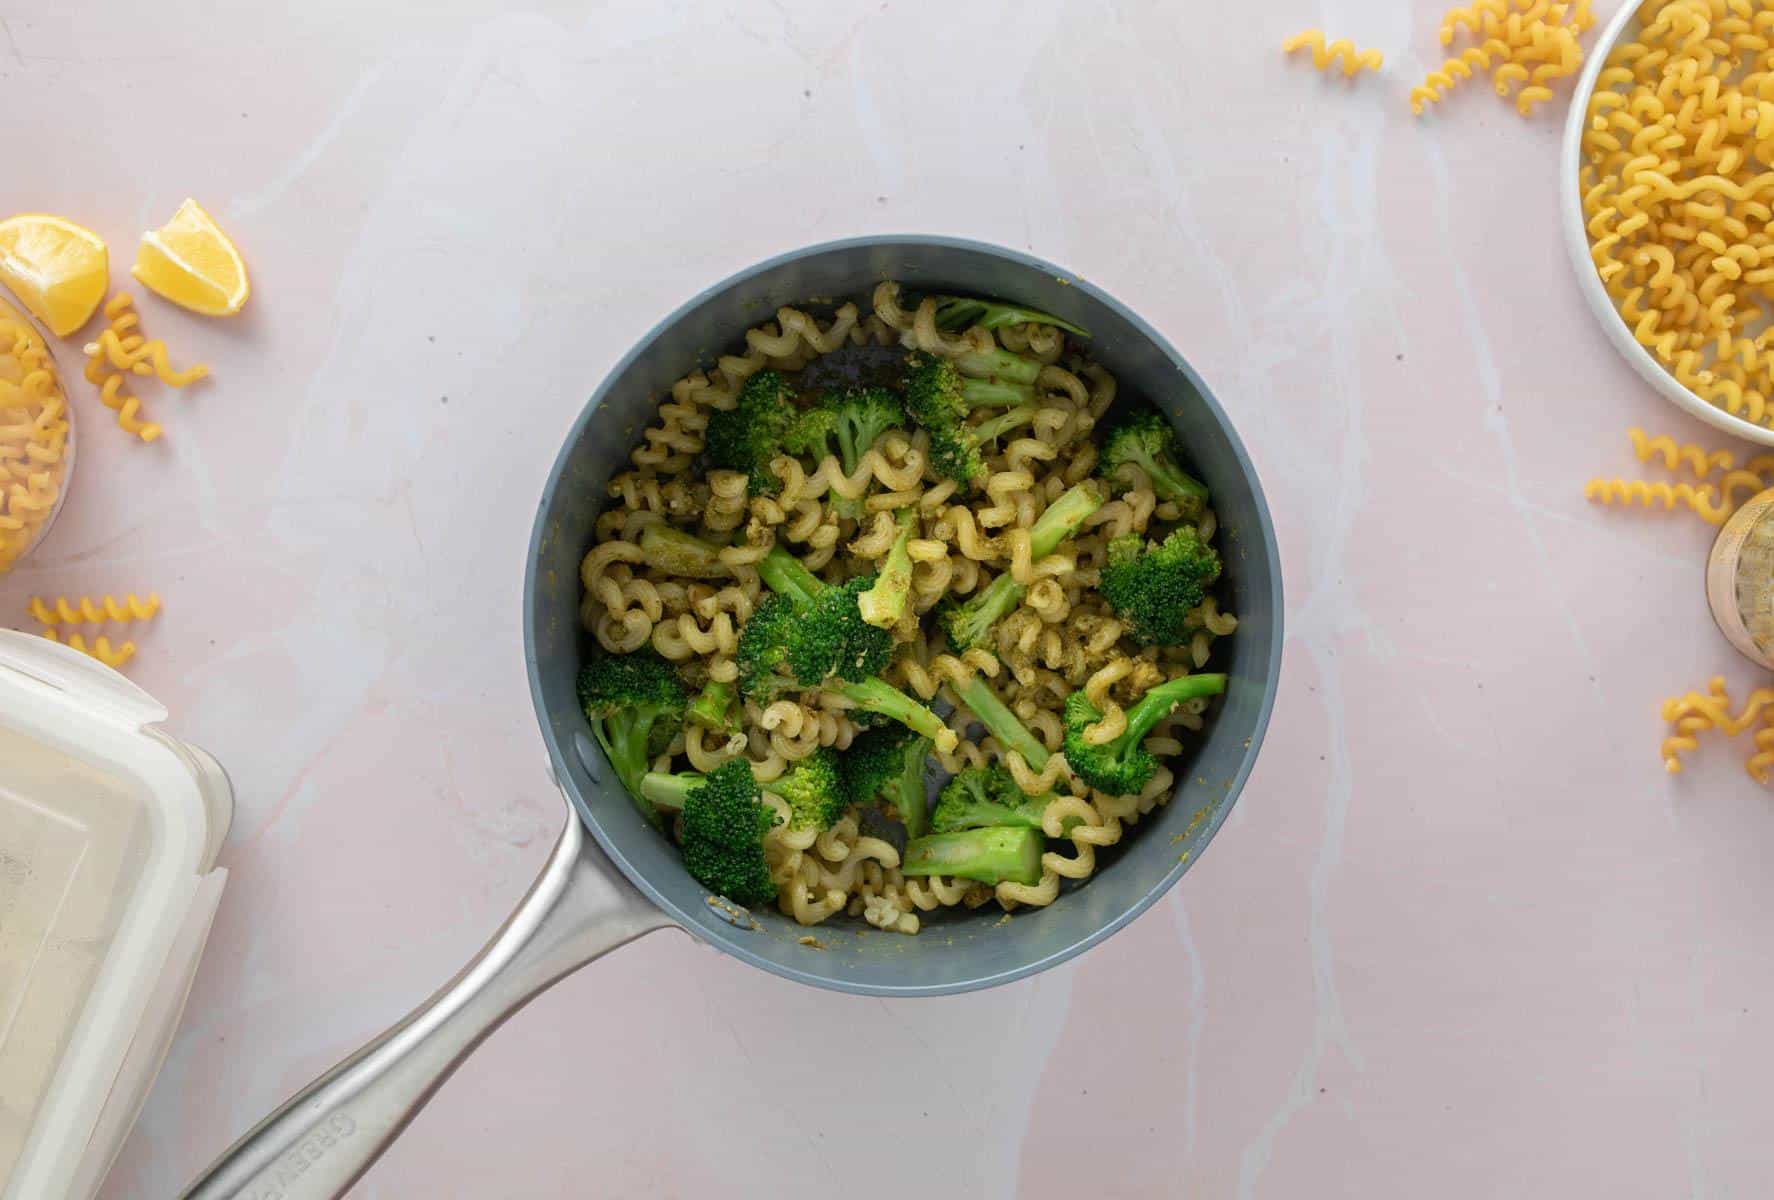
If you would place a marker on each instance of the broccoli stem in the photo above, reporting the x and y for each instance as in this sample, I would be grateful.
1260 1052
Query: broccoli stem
1002 724
1062 519
998 364
1156 704
991 604
712 707
998 426
668 791
910 801
784 573
994 855
982 393
884 604
678 553
878 696
1171 481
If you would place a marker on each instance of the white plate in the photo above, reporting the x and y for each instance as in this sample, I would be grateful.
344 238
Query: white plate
1577 242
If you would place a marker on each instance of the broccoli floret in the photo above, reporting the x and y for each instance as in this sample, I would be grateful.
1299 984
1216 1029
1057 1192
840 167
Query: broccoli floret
995 855
713 707
1142 436
813 789
985 796
939 398
1155 587
748 435
810 634
1001 723
885 603
635 704
959 312
845 424
887 765
968 622
1121 767
725 820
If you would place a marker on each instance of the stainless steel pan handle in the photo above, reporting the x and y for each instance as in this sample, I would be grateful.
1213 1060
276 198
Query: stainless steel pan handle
326 1136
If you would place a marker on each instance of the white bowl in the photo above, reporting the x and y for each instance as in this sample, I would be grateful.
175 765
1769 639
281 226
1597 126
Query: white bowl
1577 242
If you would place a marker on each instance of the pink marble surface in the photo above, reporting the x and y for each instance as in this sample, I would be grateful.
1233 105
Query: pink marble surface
1461 937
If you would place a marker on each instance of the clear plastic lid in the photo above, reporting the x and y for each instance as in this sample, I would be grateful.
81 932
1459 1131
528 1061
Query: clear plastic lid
108 832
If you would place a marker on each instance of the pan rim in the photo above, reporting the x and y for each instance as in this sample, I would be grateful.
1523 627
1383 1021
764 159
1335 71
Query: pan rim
734 943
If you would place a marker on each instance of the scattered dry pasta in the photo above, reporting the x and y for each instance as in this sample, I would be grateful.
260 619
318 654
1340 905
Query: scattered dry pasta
89 610
34 436
120 351
1712 502
100 648
840 525
1341 52
1675 187
1695 713
1524 44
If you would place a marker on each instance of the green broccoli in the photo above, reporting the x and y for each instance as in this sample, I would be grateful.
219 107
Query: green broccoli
887 764
968 622
995 855
1121 767
751 433
1155 587
845 424
960 312
713 707
635 704
678 553
985 796
809 632
939 398
1000 722
725 820
813 789
1140 435
1000 365
885 603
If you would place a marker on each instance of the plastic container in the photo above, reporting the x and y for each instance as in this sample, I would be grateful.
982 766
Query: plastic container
109 830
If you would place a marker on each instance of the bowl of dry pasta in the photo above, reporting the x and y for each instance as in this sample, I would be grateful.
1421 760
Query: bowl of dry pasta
1667 194
912 598
36 436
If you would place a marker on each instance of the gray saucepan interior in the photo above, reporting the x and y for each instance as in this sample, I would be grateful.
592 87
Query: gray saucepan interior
962 950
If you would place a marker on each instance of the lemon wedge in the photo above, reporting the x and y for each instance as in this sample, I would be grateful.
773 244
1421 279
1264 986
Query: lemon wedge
57 269
190 261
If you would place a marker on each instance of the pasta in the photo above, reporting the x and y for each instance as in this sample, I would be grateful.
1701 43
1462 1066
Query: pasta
100 648
34 434
1695 713
120 351
1342 51
1674 192
1702 463
1059 636
86 610
1526 45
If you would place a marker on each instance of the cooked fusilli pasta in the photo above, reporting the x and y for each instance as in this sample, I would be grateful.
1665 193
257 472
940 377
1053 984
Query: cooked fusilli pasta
1058 635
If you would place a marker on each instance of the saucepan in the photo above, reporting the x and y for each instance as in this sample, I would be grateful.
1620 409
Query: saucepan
612 878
